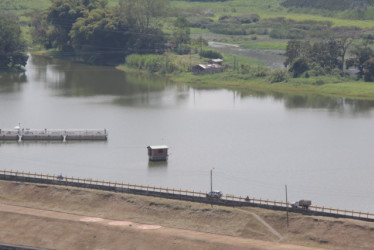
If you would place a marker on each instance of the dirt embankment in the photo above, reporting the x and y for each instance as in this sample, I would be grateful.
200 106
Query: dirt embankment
70 218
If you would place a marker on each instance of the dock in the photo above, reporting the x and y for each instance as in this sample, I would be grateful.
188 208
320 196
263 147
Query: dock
27 134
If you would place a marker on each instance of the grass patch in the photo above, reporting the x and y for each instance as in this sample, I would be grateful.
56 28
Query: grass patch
332 86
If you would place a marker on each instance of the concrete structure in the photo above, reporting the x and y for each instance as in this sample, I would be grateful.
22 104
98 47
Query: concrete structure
18 134
158 153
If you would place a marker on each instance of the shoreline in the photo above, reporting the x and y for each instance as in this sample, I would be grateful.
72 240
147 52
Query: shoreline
334 87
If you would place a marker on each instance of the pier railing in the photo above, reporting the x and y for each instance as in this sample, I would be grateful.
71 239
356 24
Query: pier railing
52 131
53 134
197 196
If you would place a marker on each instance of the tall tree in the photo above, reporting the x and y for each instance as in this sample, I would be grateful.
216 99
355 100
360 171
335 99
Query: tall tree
361 53
181 33
99 36
296 49
326 54
143 13
369 70
12 46
344 43
40 29
62 14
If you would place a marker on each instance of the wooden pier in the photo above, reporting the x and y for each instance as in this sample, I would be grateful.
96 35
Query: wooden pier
52 134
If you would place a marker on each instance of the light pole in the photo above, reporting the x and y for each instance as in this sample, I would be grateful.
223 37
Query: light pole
286 206
211 180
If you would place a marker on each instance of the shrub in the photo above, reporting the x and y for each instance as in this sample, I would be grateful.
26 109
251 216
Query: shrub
212 54
151 63
183 49
260 71
278 75
199 22
299 66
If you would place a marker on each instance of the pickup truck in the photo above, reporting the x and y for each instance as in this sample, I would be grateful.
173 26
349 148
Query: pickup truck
214 194
301 204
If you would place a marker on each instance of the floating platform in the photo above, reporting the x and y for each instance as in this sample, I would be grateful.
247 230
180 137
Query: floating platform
53 134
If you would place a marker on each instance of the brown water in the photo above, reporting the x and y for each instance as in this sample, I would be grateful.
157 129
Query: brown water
320 147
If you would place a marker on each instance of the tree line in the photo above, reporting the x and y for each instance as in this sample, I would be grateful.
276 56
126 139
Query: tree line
12 45
324 57
101 34
94 32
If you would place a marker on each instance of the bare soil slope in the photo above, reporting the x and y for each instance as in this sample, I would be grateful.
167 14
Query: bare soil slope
70 218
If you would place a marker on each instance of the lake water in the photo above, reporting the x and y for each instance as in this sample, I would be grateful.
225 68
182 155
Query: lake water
321 148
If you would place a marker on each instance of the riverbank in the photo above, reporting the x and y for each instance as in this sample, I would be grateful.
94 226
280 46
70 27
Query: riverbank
329 86
57 217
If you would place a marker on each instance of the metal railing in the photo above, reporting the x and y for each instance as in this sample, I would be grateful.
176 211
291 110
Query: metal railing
196 194
52 132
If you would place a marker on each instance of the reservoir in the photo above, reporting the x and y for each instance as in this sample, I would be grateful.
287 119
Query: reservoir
255 143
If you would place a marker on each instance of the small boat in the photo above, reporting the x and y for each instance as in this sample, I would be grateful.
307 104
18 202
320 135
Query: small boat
158 153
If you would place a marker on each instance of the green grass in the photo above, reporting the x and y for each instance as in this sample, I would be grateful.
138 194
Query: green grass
336 86
334 21
261 43
272 9
230 59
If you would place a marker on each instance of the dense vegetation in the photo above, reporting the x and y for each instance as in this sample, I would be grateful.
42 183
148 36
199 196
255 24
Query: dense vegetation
100 34
12 46
320 39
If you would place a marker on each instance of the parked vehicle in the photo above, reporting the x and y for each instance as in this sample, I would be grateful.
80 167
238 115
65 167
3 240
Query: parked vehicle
214 194
302 204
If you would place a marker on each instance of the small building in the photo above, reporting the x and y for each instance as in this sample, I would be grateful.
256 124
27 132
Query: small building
158 153
216 61
207 69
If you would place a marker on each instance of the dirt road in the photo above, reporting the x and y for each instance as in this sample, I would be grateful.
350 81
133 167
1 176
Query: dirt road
207 240
59 217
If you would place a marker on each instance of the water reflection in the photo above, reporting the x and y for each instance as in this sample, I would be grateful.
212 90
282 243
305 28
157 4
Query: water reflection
340 105
155 165
75 79
12 82
132 89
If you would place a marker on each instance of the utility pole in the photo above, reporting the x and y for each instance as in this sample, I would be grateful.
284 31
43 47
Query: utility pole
211 180
287 206
211 187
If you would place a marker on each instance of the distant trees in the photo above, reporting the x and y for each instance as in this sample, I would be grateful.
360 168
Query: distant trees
181 35
12 47
362 59
99 37
63 14
326 56
99 34
143 13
